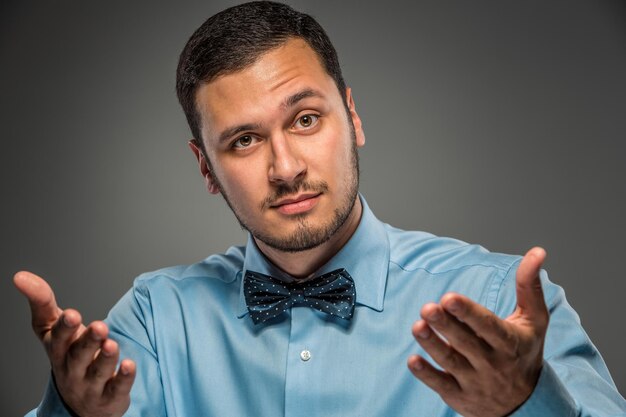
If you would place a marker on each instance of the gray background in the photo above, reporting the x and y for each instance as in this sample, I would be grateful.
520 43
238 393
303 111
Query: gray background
496 122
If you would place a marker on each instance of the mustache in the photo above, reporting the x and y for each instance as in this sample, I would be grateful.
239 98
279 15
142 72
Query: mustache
283 190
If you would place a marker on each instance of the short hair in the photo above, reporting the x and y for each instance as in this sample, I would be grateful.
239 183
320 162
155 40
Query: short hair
235 38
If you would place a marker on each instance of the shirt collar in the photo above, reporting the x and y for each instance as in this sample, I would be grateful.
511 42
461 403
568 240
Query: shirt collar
365 257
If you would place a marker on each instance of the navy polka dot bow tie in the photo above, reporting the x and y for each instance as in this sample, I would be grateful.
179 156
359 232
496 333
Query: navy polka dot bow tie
267 297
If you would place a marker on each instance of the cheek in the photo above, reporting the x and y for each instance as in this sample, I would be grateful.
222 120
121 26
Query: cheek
331 166
243 180
332 152
339 155
243 186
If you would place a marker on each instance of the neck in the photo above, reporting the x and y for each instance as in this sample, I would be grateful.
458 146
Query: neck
303 264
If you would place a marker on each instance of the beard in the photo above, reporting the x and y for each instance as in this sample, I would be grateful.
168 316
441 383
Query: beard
306 236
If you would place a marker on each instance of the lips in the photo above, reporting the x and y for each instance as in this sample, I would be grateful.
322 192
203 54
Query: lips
298 204
294 200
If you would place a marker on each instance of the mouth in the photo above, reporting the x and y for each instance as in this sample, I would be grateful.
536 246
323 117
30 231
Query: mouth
297 205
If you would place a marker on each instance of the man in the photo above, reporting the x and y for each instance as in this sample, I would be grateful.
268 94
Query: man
276 133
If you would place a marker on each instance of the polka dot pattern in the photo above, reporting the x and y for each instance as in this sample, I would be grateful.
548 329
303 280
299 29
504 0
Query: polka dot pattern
267 297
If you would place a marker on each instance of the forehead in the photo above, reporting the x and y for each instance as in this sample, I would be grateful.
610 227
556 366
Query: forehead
257 92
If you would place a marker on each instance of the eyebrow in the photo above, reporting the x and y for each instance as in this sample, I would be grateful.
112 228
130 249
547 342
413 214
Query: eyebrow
293 99
232 131
288 102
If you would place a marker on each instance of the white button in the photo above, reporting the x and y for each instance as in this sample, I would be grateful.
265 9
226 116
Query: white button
305 355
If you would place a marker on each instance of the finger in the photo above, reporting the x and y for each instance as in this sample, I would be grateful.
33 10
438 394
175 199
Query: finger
459 335
528 285
120 385
66 330
440 351
83 350
43 306
441 382
483 322
103 367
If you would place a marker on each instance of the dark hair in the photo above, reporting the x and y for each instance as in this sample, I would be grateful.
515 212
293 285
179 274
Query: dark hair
235 38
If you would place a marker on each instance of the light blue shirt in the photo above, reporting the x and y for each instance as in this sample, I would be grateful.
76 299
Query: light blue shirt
199 354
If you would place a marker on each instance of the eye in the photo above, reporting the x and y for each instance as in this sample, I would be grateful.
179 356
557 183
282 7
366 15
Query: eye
243 142
307 121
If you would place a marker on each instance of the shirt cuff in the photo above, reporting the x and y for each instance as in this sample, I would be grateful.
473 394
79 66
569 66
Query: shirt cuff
549 399
52 404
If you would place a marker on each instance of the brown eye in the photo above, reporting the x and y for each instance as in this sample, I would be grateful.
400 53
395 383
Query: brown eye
243 142
307 121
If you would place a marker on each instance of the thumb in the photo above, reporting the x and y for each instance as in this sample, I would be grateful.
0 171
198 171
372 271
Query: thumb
43 306
530 299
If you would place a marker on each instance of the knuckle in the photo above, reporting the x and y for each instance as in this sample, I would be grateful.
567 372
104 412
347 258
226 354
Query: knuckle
92 395
448 355
451 359
542 322
489 325
95 372
470 341
490 360
55 347
492 321
447 385
112 389
76 351
53 350
73 352
513 342
116 389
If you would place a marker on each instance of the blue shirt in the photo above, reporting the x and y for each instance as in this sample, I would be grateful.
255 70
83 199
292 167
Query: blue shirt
199 354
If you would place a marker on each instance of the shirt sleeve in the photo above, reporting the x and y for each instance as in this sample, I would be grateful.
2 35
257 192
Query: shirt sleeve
51 405
131 326
574 379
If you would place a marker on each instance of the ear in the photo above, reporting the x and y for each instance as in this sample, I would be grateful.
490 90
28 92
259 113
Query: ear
211 185
356 120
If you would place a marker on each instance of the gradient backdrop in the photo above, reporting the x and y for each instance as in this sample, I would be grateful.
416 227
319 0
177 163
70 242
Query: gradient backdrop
496 122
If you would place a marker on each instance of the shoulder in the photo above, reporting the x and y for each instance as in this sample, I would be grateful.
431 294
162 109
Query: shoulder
216 269
413 250
437 265
170 293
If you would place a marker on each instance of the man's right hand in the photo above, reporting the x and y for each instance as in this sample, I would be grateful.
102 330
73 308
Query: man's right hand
83 359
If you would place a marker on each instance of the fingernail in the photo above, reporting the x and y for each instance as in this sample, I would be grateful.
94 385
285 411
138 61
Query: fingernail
454 306
96 337
123 370
66 321
418 366
434 316
424 333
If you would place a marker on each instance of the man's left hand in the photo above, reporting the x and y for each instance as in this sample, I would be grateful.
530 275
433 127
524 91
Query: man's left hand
490 366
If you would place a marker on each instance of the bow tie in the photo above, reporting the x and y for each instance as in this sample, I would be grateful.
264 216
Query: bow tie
267 297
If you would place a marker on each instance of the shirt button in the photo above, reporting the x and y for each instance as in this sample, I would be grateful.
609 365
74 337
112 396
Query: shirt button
305 355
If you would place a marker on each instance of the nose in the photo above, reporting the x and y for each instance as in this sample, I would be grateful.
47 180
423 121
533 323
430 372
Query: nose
286 164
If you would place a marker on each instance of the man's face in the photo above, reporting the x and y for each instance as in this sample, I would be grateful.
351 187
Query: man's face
282 147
